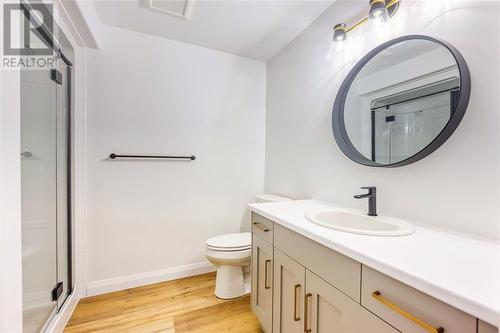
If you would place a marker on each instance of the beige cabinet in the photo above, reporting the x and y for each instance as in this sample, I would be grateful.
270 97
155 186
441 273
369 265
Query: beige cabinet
369 323
342 272
262 282
486 328
315 289
289 289
326 309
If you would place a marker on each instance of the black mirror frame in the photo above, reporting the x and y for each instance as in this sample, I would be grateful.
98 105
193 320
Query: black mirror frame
338 126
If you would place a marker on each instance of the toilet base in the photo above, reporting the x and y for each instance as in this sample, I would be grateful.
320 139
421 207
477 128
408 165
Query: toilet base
231 282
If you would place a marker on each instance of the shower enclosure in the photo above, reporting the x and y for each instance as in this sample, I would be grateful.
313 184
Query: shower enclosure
46 184
407 124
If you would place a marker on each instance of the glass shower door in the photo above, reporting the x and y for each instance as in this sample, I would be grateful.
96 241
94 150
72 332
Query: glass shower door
45 176
400 130
417 123
38 194
381 136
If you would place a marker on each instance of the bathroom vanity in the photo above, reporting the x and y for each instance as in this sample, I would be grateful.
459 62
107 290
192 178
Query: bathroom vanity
317 268
308 278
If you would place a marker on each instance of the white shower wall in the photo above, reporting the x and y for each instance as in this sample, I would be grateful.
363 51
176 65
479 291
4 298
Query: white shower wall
148 220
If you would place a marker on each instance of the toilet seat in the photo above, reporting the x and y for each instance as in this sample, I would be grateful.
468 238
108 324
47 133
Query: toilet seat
222 249
229 255
230 242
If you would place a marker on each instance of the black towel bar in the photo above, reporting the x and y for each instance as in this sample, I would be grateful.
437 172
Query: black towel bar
191 158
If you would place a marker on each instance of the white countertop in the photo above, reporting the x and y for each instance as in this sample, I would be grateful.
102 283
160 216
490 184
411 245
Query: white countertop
461 271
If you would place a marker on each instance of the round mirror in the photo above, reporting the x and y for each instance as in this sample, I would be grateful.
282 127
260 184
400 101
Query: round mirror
401 101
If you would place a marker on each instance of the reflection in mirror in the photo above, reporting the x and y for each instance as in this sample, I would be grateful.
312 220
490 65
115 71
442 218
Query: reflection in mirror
401 100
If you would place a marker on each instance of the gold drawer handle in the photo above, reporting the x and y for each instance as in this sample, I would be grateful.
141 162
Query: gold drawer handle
266 278
261 226
296 317
378 296
307 297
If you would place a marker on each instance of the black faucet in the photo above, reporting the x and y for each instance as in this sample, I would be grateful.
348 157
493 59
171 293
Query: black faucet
372 199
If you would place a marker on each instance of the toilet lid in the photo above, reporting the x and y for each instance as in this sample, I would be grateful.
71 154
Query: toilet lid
232 242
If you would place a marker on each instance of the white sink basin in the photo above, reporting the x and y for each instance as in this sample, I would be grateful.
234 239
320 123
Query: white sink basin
358 223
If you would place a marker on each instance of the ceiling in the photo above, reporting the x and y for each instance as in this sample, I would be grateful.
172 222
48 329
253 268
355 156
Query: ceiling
256 29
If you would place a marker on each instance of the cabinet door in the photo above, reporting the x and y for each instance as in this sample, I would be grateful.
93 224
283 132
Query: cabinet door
288 294
327 310
369 323
262 280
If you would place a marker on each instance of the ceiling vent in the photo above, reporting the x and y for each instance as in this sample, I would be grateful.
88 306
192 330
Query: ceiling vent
177 8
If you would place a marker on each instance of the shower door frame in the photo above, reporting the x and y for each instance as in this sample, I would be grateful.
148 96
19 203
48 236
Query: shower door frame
69 197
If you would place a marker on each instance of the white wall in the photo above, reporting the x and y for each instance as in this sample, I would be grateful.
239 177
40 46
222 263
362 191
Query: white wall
457 187
148 95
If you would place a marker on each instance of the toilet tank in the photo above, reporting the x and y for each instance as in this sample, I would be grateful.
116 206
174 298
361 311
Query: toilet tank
270 198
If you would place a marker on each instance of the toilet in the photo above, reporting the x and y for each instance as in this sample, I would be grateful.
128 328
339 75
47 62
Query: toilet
231 254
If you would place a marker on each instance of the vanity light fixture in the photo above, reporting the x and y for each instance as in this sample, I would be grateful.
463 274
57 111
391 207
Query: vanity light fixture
378 10
339 32
381 10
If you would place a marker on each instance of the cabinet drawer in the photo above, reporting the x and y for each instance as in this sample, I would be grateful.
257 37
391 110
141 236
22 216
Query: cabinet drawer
338 270
393 298
262 227
486 328
369 323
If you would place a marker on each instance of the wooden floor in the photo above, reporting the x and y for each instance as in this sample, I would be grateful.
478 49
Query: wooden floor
185 305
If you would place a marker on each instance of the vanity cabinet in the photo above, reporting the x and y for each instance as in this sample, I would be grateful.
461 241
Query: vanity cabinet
262 282
486 328
317 289
305 302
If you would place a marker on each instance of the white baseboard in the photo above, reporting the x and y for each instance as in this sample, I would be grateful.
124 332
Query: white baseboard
59 322
142 279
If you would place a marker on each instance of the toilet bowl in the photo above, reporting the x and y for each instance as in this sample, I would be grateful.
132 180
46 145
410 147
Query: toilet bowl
231 254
